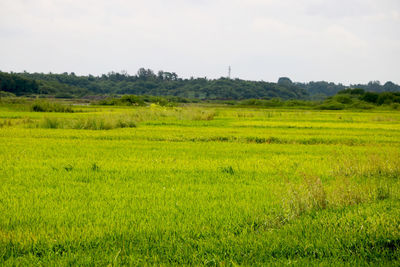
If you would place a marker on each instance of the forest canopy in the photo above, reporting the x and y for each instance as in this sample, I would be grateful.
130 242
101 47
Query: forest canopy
147 82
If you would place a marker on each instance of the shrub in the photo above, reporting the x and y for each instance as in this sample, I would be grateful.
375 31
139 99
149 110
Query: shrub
362 105
332 105
395 106
388 98
370 97
344 99
131 100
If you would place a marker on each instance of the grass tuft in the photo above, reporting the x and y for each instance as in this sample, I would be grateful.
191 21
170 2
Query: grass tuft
104 122
46 106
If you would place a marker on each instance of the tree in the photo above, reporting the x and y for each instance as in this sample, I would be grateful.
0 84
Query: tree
145 74
285 81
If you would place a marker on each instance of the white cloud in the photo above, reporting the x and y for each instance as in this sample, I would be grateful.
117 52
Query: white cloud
261 39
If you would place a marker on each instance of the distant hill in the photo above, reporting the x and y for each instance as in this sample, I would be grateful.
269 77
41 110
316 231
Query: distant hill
146 82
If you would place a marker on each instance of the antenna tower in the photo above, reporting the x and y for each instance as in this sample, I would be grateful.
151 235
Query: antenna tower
229 72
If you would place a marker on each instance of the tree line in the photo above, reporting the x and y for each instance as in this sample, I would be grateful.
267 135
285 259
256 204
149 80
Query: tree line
147 82
17 84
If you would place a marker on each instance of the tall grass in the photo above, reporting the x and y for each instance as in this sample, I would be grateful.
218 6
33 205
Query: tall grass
124 120
46 106
156 112
11 122
88 123
356 180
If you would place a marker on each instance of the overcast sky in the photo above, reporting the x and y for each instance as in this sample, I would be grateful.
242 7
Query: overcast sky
348 41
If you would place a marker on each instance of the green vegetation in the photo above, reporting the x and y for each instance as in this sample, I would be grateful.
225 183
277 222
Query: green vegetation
346 99
6 94
89 123
46 106
359 99
136 100
199 184
146 82
17 85
321 90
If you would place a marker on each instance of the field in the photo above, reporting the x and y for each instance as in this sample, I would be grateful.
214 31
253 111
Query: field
199 185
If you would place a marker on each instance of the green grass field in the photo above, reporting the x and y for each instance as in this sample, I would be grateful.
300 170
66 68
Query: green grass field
199 185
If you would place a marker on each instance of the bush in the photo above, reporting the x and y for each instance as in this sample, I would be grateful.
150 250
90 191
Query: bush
388 98
333 105
395 106
299 103
362 105
132 100
370 97
343 99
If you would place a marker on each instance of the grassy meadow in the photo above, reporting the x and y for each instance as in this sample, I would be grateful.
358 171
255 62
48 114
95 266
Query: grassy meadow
198 185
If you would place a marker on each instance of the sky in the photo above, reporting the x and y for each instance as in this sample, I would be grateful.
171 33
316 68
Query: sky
346 41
